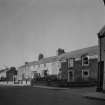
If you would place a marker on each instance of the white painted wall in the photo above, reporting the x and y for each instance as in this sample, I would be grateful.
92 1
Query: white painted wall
3 74
53 69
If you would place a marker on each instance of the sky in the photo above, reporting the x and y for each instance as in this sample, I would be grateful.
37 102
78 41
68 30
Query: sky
30 27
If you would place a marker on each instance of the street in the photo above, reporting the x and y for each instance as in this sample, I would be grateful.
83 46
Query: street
43 96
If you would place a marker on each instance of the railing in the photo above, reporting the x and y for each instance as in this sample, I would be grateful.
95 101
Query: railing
12 83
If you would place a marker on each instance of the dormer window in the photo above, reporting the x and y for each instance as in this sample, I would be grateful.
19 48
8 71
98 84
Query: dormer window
85 60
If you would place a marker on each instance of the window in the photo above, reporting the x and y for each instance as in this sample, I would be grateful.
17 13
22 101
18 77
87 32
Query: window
41 65
70 75
44 65
71 62
85 74
32 67
63 60
45 73
60 74
58 64
38 66
85 60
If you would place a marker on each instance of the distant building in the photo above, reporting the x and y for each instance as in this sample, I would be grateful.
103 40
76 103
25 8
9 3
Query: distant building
80 64
3 73
11 74
24 72
41 68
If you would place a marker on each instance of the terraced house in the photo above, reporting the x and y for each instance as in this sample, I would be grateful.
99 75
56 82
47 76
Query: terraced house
49 65
73 66
80 64
3 73
41 68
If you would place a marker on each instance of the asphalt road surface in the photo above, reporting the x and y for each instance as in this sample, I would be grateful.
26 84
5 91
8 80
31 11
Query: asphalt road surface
42 96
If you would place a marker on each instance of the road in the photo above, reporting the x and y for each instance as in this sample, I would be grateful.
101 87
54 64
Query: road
43 96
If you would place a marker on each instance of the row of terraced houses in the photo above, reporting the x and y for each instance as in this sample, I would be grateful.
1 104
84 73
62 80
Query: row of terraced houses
72 66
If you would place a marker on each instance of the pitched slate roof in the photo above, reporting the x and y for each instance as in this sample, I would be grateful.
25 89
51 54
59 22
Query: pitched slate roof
102 31
42 61
78 53
73 54
3 70
33 62
48 60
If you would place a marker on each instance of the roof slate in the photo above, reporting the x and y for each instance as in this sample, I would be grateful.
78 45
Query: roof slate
102 31
3 70
78 53
48 60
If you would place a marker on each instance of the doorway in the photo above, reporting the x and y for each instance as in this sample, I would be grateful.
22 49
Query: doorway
70 75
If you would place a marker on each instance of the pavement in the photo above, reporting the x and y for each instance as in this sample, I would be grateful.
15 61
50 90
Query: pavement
12 84
95 95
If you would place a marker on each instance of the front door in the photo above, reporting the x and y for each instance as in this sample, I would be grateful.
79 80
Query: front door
70 75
